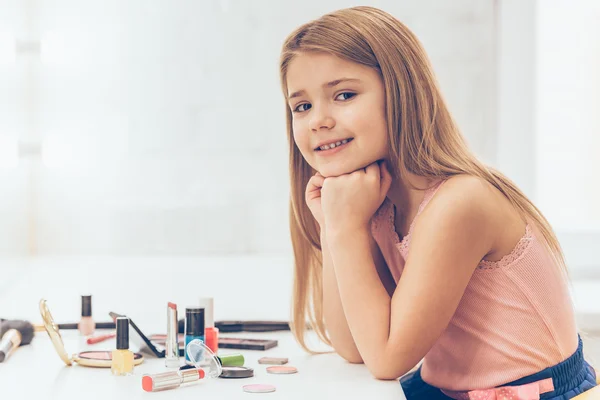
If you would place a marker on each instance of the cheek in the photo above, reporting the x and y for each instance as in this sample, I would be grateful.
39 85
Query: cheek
354 117
300 135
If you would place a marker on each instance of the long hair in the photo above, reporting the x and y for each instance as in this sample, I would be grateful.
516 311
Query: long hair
423 138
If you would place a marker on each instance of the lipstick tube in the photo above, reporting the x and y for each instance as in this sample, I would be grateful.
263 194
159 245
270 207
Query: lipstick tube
10 341
171 380
101 338
172 343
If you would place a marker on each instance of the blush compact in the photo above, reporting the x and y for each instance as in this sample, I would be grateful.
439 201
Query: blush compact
97 359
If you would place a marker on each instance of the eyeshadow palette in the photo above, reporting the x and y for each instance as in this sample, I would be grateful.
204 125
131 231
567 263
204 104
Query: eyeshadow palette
225 343
246 344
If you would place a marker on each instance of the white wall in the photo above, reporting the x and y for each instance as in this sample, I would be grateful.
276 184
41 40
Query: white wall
13 180
161 124
568 113
548 121
568 127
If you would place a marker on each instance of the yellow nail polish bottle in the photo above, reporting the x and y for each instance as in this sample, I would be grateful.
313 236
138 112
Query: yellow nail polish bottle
122 357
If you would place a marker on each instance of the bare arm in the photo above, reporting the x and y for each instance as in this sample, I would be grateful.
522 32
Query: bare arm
392 335
335 319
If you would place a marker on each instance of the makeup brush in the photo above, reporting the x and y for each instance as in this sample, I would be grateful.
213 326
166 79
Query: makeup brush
99 325
25 328
12 335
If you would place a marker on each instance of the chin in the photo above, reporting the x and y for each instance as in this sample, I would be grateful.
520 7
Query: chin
329 171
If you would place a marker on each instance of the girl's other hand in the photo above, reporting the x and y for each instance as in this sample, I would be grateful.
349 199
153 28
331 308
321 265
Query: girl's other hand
313 197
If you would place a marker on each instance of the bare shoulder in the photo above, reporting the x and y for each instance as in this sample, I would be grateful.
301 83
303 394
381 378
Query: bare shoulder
466 195
476 204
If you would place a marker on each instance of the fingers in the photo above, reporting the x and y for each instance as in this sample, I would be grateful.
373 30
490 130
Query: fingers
372 169
379 171
313 188
316 180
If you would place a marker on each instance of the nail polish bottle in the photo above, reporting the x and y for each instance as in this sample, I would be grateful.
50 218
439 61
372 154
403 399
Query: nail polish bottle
87 325
211 333
122 357
194 327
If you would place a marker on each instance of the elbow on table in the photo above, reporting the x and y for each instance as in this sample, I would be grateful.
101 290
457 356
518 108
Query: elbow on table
351 357
386 372
385 376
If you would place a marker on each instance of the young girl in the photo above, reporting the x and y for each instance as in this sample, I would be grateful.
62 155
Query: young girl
406 246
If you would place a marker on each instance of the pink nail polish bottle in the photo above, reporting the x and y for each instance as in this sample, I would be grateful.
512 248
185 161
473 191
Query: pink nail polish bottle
86 325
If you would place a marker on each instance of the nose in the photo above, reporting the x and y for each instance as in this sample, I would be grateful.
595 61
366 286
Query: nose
320 119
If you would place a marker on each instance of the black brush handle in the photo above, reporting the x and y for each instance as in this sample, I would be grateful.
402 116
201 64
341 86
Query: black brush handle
252 326
99 325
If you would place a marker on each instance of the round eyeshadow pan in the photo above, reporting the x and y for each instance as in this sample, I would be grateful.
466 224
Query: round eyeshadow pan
282 370
258 388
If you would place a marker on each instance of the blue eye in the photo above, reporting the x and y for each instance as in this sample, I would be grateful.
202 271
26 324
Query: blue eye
300 105
348 94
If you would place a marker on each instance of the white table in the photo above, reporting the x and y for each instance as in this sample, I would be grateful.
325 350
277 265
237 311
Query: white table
245 287
256 292
37 372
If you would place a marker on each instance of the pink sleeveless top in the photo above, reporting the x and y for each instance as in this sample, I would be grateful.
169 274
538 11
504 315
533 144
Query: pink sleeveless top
515 318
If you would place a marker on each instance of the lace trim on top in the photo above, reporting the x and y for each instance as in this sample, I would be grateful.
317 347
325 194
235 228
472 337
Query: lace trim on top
517 252
386 215
405 242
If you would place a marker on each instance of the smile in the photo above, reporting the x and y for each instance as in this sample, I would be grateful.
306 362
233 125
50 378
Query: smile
331 146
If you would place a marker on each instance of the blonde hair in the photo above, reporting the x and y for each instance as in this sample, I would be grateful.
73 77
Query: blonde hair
423 138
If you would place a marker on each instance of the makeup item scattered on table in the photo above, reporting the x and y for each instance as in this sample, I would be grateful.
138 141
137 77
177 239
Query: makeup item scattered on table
252 326
98 359
25 328
171 379
211 333
229 360
246 344
205 365
237 372
101 338
194 326
282 370
273 360
86 325
9 343
172 343
141 340
258 388
155 344
200 356
122 357
72 325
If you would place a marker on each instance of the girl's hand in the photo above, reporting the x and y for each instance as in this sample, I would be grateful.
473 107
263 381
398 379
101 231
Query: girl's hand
313 197
349 201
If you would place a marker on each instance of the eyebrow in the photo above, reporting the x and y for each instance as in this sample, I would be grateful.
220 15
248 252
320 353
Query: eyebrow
328 84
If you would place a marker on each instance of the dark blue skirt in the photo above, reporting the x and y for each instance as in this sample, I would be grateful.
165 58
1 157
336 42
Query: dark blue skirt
571 378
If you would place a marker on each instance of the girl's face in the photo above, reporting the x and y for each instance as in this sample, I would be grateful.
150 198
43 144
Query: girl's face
338 110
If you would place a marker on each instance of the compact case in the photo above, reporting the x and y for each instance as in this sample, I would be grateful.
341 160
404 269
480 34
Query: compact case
98 359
